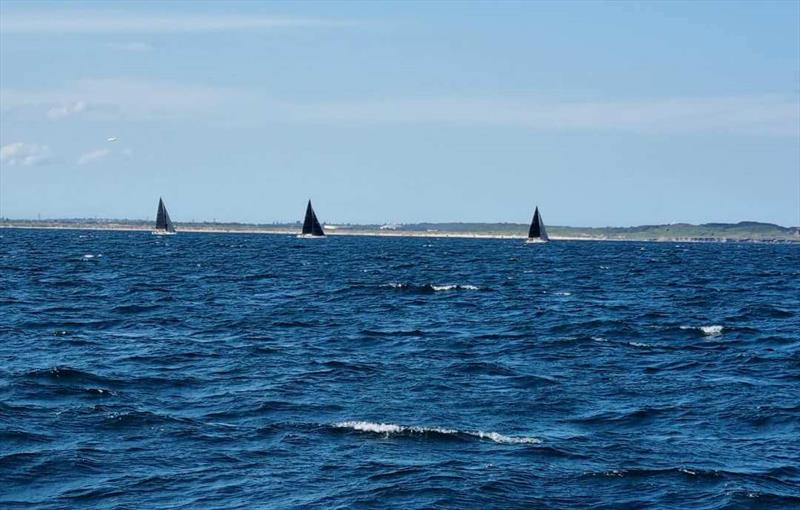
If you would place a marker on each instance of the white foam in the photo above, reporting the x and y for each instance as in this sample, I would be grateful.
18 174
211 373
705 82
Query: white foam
500 438
638 344
711 330
562 293
453 287
391 428
436 288
366 426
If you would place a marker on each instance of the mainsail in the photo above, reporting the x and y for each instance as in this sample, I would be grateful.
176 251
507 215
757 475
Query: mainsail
537 231
311 224
162 218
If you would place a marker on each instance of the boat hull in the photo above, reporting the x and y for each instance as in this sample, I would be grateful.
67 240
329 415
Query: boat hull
536 241
309 236
162 233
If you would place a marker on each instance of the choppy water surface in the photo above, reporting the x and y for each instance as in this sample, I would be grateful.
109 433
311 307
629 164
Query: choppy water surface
257 371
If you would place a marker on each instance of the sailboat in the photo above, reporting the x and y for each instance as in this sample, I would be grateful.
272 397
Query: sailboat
164 226
536 232
311 226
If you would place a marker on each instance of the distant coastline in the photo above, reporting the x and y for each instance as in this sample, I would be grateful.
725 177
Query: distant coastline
746 231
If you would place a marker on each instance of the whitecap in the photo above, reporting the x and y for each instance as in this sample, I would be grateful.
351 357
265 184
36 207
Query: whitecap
433 287
638 344
391 428
366 426
453 287
711 330
563 293
500 438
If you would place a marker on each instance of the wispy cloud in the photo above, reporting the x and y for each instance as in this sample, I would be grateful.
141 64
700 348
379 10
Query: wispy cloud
78 22
24 154
93 156
131 46
121 98
125 98
766 114
66 110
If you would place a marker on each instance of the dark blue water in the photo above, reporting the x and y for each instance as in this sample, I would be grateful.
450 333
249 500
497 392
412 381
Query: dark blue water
258 371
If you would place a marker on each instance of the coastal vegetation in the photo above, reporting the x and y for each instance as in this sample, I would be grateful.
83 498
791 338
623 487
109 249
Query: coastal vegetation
741 231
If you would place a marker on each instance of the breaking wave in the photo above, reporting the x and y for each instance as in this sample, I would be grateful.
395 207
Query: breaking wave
403 430
711 330
429 287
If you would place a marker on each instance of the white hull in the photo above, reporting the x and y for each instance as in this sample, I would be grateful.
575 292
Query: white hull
162 233
309 236
536 241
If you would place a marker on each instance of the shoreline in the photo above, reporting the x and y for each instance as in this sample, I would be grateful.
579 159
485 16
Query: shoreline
367 233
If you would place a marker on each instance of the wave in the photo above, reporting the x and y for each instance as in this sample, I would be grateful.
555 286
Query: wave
652 472
9 435
711 330
134 309
399 332
762 311
140 418
65 373
258 276
391 429
429 287
481 367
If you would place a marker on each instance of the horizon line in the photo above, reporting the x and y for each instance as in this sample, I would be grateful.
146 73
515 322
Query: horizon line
5 219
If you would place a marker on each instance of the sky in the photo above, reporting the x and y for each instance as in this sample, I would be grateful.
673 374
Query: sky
600 113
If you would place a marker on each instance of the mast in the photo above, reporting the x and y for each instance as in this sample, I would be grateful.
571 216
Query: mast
537 230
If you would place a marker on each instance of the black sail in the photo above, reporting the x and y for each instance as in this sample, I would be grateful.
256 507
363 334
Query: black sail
162 218
311 224
537 230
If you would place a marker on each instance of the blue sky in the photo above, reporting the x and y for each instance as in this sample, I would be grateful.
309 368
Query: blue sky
601 113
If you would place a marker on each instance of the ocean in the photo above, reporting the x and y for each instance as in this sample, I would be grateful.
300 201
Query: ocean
265 371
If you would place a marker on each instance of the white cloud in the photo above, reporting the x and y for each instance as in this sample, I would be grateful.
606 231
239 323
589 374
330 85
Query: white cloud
85 22
93 156
131 46
65 110
24 154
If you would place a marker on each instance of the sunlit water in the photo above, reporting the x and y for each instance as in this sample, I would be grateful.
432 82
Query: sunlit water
258 371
